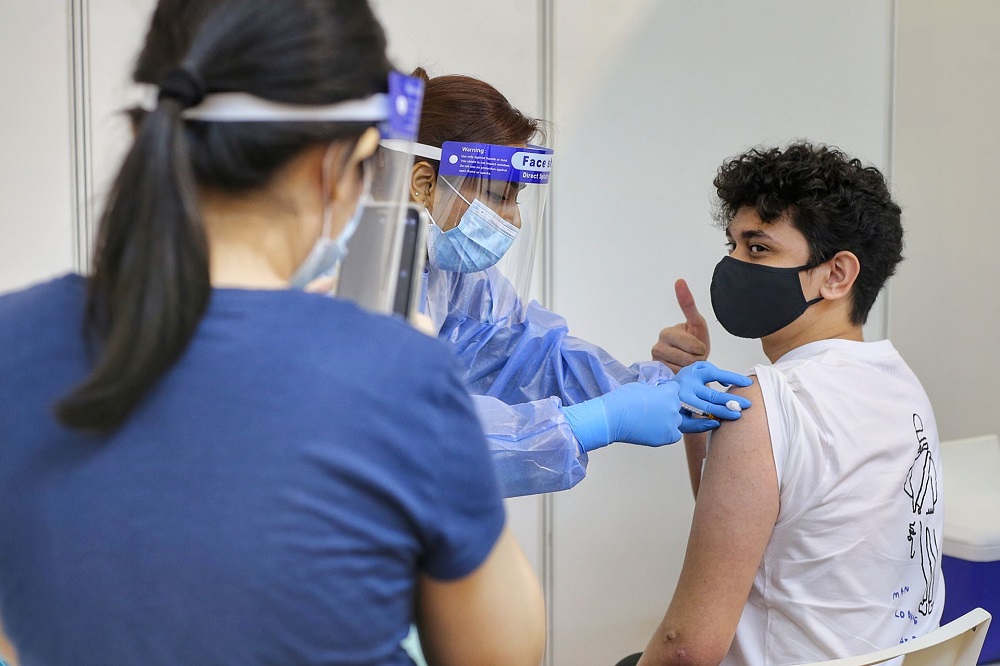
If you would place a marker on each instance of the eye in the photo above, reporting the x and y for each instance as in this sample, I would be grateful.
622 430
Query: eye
730 247
757 248
505 197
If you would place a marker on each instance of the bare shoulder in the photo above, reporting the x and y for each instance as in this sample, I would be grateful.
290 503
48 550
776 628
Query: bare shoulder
740 456
740 482
751 427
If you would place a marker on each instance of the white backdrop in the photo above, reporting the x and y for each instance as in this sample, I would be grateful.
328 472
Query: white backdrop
945 308
648 97
36 232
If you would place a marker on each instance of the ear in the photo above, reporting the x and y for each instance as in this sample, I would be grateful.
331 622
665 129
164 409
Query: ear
844 268
423 183
364 148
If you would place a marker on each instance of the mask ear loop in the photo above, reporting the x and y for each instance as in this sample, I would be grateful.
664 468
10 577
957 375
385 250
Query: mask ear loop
325 170
467 202
364 199
808 267
431 217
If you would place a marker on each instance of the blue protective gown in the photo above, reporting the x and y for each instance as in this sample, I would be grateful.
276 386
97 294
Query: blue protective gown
521 365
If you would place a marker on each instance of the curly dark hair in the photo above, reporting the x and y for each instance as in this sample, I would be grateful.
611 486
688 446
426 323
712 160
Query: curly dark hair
834 200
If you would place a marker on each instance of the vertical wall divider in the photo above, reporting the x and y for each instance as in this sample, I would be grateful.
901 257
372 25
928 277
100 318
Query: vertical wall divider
81 134
890 140
546 77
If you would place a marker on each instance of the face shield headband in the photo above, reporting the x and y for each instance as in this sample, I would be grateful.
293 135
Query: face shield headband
372 238
397 112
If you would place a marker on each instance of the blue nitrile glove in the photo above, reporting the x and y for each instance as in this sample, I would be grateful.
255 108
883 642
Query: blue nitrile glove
704 399
635 413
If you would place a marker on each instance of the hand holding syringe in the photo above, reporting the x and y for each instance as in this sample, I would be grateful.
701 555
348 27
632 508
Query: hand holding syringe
689 410
701 404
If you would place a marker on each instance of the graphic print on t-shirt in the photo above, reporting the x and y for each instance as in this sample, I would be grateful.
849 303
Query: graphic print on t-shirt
922 488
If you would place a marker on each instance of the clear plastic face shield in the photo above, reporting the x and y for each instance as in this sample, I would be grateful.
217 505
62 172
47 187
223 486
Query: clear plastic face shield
487 211
377 265
363 256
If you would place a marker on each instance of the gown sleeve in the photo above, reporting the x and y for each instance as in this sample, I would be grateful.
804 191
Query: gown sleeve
520 354
521 365
532 446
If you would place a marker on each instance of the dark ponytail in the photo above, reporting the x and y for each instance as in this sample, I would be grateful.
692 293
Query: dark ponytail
150 284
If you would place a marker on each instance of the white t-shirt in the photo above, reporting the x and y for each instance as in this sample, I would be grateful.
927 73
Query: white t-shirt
853 563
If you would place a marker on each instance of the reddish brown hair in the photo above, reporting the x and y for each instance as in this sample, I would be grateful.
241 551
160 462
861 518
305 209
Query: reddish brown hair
463 108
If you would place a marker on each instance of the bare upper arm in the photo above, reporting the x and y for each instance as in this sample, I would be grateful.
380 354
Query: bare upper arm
495 615
734 516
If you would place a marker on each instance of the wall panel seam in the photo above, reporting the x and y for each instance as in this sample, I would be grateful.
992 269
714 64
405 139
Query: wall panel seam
81 144
546 75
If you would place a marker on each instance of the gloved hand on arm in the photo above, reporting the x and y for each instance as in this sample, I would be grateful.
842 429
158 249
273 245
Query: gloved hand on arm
693 392
635 413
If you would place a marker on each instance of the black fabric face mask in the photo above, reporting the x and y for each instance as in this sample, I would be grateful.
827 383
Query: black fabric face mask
754 301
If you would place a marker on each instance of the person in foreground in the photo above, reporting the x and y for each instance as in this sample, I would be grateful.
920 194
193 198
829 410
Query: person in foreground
817 526
199 465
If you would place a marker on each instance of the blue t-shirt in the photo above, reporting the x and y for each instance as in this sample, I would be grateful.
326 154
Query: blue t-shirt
271 500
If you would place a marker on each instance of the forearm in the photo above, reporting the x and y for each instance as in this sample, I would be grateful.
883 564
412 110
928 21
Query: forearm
696 447
495 615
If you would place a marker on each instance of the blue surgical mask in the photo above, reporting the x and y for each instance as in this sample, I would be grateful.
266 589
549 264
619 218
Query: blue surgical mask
327 253
479 241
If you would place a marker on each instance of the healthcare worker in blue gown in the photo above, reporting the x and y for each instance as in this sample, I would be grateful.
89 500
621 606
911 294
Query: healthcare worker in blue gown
545 398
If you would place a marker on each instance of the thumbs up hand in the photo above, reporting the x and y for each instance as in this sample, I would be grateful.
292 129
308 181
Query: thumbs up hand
683 344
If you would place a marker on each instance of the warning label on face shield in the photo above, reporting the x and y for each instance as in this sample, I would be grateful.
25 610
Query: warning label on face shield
514 164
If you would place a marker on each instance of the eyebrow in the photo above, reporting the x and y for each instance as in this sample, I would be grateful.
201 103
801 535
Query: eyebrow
752 234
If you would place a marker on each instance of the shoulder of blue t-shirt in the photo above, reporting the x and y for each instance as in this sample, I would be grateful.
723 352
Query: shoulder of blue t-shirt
34 318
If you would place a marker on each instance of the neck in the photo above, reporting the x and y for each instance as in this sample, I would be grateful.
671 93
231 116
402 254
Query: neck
818 326
254 240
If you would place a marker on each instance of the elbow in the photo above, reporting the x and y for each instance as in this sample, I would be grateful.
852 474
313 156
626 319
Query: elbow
669 648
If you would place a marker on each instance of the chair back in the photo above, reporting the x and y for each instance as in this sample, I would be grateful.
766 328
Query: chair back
957 643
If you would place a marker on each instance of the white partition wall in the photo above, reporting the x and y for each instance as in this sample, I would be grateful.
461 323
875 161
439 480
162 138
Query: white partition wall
117 30
36 196
945 311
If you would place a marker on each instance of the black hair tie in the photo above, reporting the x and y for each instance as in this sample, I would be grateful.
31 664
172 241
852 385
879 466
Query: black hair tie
184 86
